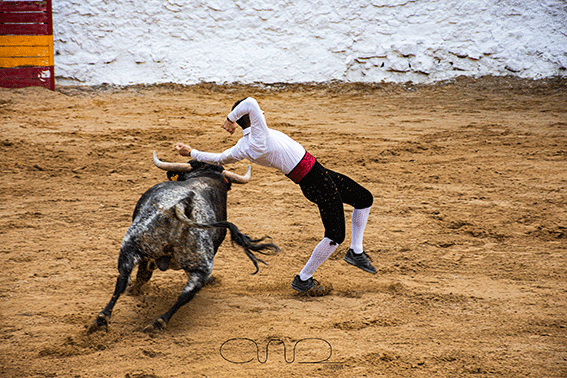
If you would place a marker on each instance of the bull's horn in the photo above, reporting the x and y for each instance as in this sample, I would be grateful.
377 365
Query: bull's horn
238 179
178 167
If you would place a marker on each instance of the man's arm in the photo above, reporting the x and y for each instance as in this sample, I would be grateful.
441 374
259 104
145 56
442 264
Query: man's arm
228 156
259 129
250 106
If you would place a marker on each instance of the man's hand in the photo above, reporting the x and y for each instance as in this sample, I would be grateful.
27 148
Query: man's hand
183 149
229 126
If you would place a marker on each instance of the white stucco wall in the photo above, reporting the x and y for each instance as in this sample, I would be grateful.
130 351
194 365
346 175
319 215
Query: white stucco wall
246 41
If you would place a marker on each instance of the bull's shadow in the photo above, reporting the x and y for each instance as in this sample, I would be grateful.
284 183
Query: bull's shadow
179 224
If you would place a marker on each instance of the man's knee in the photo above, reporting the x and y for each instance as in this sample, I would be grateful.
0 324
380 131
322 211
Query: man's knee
336 236
366 199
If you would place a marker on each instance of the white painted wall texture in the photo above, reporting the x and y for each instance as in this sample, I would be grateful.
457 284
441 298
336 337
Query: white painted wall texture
224 41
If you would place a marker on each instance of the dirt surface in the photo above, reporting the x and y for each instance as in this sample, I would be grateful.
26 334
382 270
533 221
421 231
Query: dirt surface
468 232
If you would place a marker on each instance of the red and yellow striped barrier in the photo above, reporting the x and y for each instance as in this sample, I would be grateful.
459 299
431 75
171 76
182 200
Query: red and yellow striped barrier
26 44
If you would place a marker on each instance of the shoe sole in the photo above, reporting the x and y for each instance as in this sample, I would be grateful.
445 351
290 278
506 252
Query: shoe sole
301 290
315 291
352 262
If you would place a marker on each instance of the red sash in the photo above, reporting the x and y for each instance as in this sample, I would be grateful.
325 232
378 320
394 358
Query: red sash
302 168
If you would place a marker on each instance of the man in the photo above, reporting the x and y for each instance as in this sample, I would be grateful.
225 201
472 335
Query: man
326 188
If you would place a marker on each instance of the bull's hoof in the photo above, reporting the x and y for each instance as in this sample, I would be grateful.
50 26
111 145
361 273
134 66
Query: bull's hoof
100 323
158 325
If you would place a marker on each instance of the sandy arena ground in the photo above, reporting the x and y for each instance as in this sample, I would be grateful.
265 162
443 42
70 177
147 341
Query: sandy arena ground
468 232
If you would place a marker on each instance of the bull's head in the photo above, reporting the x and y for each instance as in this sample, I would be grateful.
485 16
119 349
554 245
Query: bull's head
180 168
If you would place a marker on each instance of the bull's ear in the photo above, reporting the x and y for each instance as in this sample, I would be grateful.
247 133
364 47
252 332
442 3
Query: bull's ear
172 176
228 183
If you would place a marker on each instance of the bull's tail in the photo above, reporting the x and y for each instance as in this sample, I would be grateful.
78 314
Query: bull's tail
246 242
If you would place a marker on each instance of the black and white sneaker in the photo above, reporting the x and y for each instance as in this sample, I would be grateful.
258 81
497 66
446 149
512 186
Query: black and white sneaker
361 260
311 287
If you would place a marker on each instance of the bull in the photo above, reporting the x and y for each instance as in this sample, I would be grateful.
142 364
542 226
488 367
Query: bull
179 224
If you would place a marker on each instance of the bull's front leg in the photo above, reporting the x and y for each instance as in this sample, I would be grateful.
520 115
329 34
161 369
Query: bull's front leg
126 263
197 280
145 271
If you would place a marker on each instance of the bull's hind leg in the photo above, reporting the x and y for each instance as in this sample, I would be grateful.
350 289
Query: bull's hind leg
145 271
197 280
126 263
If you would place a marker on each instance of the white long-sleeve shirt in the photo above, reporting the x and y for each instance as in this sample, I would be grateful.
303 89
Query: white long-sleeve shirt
259 144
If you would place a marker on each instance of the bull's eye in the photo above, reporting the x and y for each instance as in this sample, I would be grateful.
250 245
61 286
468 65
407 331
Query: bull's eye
173 178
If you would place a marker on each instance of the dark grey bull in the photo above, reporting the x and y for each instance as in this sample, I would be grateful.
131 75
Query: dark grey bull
179 225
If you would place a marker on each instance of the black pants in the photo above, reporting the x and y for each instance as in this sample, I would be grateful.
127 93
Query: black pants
329 190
